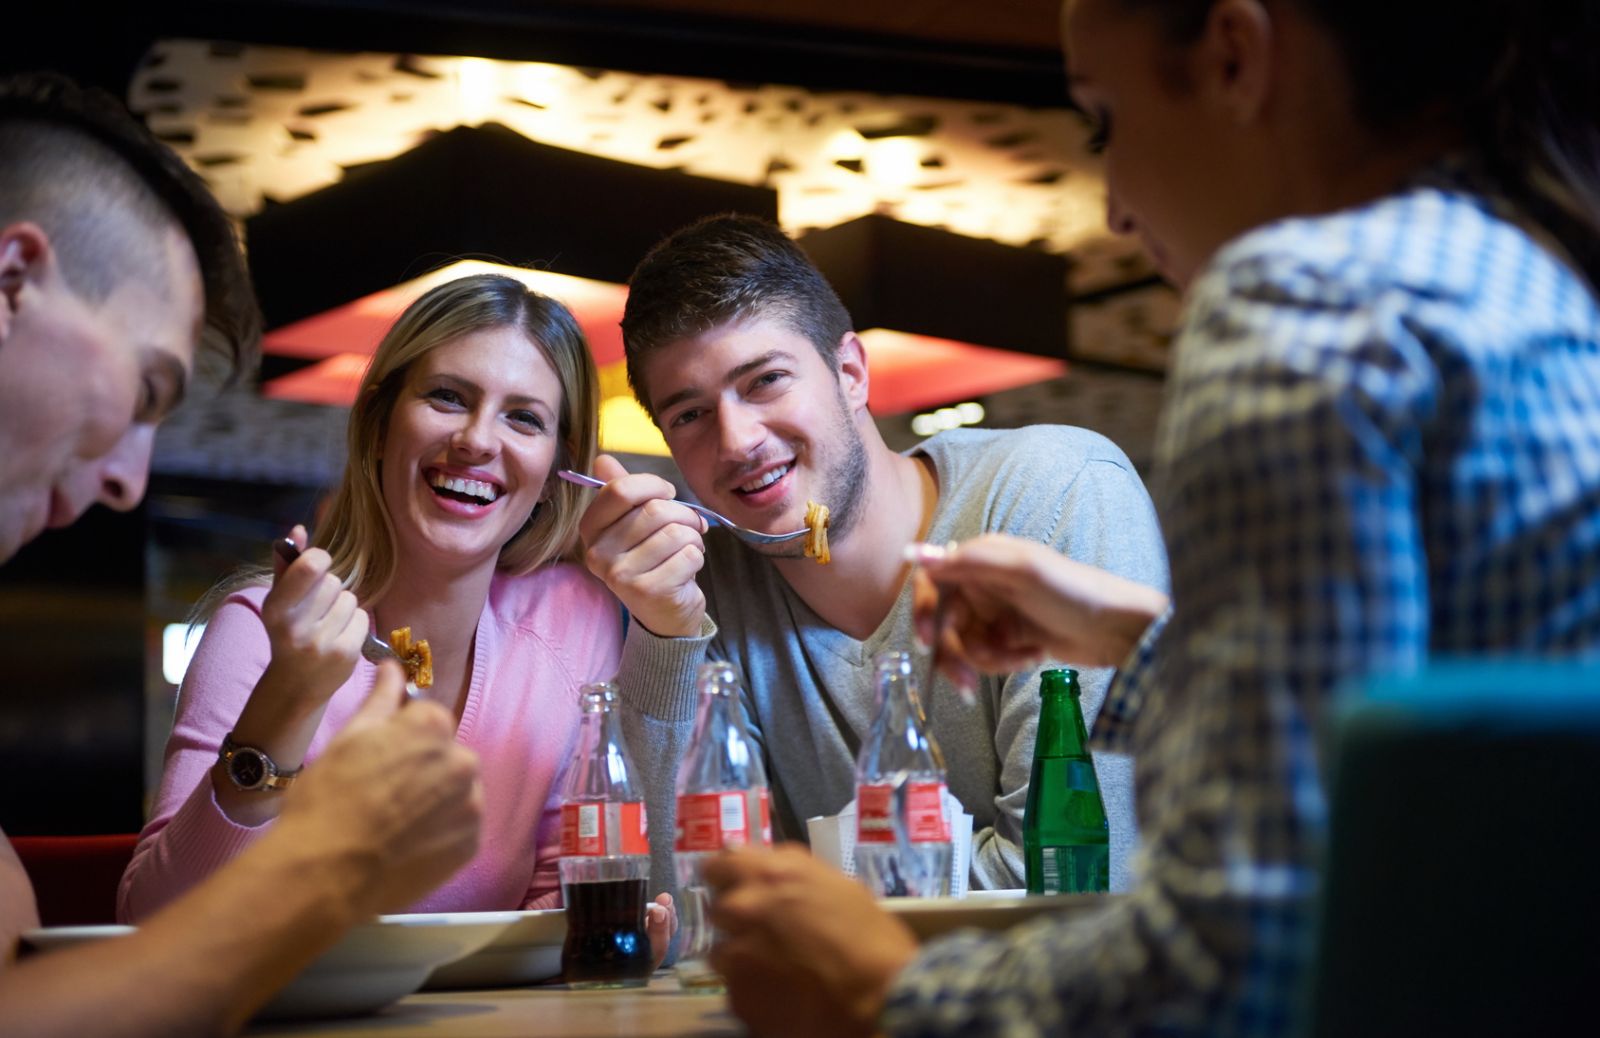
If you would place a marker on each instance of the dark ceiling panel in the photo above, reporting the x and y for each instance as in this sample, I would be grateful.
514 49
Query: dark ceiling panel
474 193
998 50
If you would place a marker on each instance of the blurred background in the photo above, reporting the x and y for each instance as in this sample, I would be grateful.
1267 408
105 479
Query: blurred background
922 151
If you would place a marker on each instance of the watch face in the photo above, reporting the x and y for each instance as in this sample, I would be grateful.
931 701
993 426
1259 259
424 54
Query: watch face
247 769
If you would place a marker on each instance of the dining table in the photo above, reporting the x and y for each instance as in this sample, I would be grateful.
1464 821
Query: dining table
658 1010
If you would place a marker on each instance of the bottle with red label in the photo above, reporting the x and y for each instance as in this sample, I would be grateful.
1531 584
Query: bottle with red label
722 802
903 842
605 855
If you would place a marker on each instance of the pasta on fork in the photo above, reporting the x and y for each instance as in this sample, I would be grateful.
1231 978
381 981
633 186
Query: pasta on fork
817 540
416 656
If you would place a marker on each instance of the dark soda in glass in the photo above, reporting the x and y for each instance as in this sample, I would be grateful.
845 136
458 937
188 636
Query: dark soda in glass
606 941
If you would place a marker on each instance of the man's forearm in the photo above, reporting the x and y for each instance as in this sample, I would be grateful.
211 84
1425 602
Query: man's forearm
204 964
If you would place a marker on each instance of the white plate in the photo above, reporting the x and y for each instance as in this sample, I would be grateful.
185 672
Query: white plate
375 964
526 952
986 910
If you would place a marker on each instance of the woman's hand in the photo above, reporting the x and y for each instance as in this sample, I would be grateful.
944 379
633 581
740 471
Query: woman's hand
316 630
314 624
660 923
997 604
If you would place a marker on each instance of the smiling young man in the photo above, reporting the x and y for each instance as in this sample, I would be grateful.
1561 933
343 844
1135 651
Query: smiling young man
747 360
114 264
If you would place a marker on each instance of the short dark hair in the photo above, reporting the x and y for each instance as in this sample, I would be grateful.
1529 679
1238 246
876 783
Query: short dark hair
75 161
720 269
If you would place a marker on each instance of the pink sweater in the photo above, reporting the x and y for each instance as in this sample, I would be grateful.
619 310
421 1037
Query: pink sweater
539 638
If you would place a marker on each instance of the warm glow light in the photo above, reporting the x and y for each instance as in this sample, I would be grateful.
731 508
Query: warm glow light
909 372
624 426
894 164
970 413
478 83
844 145
538 83
912 372
358 326
178 642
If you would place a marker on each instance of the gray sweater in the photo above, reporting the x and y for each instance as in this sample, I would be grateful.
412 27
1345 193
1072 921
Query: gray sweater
808 686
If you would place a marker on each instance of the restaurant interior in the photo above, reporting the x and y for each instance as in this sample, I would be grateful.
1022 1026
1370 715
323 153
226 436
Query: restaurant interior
925 156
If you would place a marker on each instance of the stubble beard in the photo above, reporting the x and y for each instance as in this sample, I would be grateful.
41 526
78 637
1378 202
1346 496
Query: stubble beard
843 487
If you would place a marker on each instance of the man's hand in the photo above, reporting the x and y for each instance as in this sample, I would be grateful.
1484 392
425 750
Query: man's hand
647 548
394 792
1009 602
806 951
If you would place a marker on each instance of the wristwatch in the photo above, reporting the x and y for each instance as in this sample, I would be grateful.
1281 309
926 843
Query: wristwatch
252 770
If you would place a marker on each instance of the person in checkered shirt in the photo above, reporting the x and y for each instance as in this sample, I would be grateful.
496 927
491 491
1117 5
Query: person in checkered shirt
1381 445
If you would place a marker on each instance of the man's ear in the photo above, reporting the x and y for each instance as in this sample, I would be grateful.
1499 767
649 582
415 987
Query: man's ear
24 251
852 363
1236 56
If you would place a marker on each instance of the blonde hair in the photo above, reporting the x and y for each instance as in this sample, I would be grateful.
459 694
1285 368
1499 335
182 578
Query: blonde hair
357 530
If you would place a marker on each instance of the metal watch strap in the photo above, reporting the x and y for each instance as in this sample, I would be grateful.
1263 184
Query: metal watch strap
274 779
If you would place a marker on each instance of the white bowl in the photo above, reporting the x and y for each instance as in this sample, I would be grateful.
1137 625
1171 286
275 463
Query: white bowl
991 910
526 952
376 963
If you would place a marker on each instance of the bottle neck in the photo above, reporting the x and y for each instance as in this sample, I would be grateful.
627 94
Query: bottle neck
900 738
1062 732
716 710
601 762
596 726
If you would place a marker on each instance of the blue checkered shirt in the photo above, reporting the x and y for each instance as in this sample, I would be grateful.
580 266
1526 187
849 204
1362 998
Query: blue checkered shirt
1381 444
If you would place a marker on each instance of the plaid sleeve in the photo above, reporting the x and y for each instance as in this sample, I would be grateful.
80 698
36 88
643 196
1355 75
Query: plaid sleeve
1113 729
1286 484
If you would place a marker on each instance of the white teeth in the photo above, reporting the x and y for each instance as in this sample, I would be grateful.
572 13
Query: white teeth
471 487
767 480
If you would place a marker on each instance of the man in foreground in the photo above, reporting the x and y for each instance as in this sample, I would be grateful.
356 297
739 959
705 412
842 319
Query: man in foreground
115 264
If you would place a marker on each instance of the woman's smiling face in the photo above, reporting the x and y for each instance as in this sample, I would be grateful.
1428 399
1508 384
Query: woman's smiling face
469 445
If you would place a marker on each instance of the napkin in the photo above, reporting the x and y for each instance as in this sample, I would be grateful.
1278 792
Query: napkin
833 839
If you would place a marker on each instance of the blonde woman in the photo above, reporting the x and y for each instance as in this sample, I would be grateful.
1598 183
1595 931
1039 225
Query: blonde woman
448 520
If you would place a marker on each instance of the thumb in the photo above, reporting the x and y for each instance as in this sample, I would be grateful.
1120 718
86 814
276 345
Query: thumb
385 699
608 468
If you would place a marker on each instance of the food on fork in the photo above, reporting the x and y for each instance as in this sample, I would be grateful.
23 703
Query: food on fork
416 656
817 539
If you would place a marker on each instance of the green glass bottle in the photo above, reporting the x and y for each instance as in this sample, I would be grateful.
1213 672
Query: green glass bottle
1065 838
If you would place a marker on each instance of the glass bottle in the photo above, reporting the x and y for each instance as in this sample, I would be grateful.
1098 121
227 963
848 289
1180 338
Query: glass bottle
1066 841
722 802
605 855
903 844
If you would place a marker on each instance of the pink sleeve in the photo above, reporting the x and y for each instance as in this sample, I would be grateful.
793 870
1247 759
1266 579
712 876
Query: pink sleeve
188 837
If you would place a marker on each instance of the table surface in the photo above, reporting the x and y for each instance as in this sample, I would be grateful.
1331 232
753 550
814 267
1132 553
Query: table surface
660 1010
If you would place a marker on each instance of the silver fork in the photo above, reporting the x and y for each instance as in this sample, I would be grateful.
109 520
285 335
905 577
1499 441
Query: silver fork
741 532
374 650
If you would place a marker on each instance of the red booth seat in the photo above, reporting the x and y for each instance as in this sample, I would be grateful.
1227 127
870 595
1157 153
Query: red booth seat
75 878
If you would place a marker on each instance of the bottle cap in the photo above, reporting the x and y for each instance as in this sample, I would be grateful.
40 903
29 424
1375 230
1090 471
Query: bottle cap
718 677
1059 679
598 696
